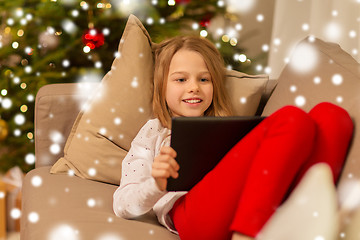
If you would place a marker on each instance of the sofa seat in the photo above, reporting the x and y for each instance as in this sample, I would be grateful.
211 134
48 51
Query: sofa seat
69 207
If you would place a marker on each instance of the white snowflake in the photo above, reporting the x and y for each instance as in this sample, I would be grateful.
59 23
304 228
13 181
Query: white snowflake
102 131
92 172
300 101
317 80
36 181
337 79
30 158
315 214
134 82
19 119
117 121
15 213
305 58
293 88
339 99
56 136
55 148
71 172
333 31
33 217
243 100
62 232
91 202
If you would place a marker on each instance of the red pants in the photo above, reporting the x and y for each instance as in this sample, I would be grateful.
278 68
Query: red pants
255 176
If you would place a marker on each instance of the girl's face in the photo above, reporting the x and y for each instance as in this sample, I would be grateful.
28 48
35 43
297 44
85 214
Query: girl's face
189 90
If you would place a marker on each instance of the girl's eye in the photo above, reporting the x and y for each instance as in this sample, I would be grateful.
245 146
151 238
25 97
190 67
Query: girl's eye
180 79
204 80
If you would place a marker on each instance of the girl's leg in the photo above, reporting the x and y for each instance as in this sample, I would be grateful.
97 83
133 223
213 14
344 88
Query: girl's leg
257 172
334 129
334 133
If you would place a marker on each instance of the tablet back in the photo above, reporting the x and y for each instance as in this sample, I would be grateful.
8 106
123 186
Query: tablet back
201 142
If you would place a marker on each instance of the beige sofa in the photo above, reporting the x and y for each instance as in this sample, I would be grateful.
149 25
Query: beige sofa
71 205
64 201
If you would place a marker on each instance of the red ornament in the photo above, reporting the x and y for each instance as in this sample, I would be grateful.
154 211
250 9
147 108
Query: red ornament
205 22
93 38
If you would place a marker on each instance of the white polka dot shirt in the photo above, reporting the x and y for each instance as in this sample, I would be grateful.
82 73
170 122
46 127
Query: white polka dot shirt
138 192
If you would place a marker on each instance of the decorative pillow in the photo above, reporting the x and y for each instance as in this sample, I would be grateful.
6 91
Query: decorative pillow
102 133
245 91
332 76
310 212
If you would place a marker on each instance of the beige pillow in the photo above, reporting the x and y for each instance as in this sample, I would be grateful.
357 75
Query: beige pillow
102 134
245 91
310 212
334 77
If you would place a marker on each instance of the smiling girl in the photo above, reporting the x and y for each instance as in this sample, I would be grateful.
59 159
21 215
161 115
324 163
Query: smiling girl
236 198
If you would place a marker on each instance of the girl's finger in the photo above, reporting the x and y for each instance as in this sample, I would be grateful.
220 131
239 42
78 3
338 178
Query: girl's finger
167 167
168 150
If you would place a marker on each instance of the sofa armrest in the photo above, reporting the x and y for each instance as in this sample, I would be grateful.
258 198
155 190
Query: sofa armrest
56 108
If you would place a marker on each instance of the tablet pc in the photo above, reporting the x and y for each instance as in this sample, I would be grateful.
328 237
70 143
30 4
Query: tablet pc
201 142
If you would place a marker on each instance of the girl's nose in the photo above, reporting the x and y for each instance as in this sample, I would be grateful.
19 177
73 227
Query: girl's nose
193 86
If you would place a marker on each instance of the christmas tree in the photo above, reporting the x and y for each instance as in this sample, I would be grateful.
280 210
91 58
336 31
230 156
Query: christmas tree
60 41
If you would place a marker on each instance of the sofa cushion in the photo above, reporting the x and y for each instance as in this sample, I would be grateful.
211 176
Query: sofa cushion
102 133
332 76
309 213
69 207
245 91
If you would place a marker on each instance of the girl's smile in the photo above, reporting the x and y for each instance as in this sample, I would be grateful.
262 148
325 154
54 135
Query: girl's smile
193 100
189 90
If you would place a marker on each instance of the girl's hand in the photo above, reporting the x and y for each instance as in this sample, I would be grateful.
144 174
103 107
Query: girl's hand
165 166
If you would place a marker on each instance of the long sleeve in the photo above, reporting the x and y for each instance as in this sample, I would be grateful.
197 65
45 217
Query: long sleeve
138 193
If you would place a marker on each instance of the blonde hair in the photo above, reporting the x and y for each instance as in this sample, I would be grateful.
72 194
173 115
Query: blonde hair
165 51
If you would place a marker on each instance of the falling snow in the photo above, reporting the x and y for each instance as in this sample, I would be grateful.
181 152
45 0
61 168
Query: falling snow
36 181
134 82
62 232
317 80
300 101
91 202
92 172
30 158
15 213
304 59
293 88
55 148
337 79
117 121
33 217
243 100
